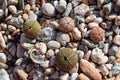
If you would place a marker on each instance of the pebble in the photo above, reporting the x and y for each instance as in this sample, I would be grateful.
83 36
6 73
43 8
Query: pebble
8 18
108 8
27 8
81 10
13 50
75 2
63 38
54 76
74 76
80 54
74 69
103 70
50 53
106 48
49 71
12 9
4 75
13 2
118 53
117 77
87 55
25 16
48 9
17 22
113 50
32 16
54 24
76 34
61 6
117 21
11 28
41 47
3 58
98 20
82 76
90 18
116 39
68 10
3 66
118 2
53 45
98 56
45 64
92 25
2 43
1 14
111 59
114 70
64 76
88 68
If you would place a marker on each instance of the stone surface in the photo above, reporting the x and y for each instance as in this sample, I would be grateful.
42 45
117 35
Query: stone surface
4 75
82 76
53 45
116 39
88 68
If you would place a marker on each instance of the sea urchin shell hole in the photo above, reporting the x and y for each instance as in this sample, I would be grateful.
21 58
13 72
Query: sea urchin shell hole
97 34
66 24
66 59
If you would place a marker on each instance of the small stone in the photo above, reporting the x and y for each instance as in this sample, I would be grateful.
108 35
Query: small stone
90 18
41 47
21 4
48 9
97 56
81 10
115 70
113 50
54 24
75 2
117 77
116 39
12 9
2 43
54 76
80 54
118 2
103 70
117 21
87 55
82 76
76 34
49 71
111 59
64 76
98 20
32 16
74 69
93 25
45 64
118 53
17 22
8 18
13 2
107 8
4 75
1 14
112 78
13 50
27 8
106 48
103 25
88 68
61 6
49 53
3 58
63 38
25 16
3 66
53 45
11 28
3 26
68 9
111 16
74 76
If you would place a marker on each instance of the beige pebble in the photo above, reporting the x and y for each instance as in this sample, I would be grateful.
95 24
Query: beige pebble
25 16
3 26
102 13
12 9
2 43
2 32
111 17
11 28
87 55
117 21
36 9
41 47
98 20
76 34
3 58
49 71
54 24
103 25
90 18
50 53
118 2
117 77
92 25
22 74
30 12
27 8
116 39
16 32
8 18
82 76
112 78
87 68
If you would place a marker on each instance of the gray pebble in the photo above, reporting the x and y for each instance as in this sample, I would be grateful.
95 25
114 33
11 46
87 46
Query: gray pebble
106 48
1 14
17 22
75 2
62 38
107 8
13 50
115 70
80 54
74 76
21 4
32 16
45 64
4 75
113 50
101 44
68 9
53 45
111 59
117 30
19 61
83 48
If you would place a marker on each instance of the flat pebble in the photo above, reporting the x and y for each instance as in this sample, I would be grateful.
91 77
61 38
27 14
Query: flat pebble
68 9
2 43
53 45
4 75
116 39
11 28
92 25
63 38
90 18
49 71
12 9
74 76
98 56
49 53
80 54
82 76
64 76
117 21
27 8
113 50
3 58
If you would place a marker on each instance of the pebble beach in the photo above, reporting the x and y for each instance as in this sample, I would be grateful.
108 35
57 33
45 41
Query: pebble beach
59 40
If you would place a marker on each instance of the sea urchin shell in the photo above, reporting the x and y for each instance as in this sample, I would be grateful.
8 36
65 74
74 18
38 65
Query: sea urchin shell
66 59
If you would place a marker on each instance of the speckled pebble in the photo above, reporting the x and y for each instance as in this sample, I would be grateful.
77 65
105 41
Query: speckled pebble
53 45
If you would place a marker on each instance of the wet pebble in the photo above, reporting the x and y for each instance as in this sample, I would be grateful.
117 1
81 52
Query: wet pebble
53 45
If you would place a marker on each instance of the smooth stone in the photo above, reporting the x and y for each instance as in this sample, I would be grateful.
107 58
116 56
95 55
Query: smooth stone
13 50
4 75
80 54
12 9
74 69
114 70
75 2
45 64
50 53
68 10
117 21
54 76
64 76
74 76
82 76
97 56
27 45
76 34
92 25
111 59
2 43
32 16
116 39
13 2
63 38
106 48
108 8
113 50
49 71
88 68
117 77
103 70
118 53
90 18
3 58
53 45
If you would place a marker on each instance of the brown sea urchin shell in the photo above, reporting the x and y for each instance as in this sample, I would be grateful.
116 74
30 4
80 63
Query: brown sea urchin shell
66 24
66 59
97 34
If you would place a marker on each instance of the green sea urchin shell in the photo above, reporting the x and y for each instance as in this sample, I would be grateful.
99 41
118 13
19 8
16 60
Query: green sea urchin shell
31 29
66 59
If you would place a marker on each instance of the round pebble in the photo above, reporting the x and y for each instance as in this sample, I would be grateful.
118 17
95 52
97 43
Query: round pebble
116 39
53 45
